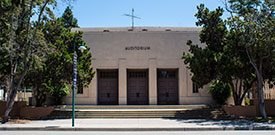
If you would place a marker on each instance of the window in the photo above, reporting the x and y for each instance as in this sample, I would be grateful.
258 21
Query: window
137 74
108 74
167 74
195 88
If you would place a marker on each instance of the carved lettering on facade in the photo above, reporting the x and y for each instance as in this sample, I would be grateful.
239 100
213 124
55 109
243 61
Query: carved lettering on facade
137 48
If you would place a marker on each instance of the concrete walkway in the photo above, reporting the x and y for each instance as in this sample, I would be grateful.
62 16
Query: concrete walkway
138 125
118 110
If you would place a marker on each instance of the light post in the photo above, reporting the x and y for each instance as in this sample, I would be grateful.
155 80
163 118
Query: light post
81 48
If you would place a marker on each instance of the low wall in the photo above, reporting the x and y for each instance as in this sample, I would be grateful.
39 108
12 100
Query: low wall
21 110
35 112
252 110
240 110
269 107
15 112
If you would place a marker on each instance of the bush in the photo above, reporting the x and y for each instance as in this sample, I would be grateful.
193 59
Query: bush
220 91
58 91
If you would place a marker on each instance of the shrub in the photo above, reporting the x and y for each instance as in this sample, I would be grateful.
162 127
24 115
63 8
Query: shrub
59 91
220 91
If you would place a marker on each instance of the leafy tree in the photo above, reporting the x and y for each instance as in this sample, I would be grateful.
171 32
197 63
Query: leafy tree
234 47
221 59
43 73
22 42
7 5
55 74
4 65
255 22
27 45
62 67
68 19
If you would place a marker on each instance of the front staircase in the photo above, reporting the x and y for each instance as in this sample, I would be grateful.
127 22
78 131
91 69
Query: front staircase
146 111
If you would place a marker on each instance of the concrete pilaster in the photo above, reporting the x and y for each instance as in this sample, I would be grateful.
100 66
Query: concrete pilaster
122 82
152 82
182 82
93 90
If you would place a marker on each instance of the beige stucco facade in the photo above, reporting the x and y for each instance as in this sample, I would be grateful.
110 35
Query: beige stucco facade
149 48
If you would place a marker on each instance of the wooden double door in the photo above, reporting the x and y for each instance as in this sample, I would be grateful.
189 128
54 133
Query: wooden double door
137 87
167 86
107 87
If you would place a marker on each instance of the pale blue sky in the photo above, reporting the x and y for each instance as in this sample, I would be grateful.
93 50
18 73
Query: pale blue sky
109 13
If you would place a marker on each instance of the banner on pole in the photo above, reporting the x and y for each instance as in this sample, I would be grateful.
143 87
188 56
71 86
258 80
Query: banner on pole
75 70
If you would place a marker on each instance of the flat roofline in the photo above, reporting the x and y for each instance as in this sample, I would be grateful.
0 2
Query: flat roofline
110 29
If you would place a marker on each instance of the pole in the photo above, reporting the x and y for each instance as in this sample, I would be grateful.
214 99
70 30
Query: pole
75 76
133 19
74 82
73 106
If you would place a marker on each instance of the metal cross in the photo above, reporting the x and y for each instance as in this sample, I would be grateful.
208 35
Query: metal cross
133 17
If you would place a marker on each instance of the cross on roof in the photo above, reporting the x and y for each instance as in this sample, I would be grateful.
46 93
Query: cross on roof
133 17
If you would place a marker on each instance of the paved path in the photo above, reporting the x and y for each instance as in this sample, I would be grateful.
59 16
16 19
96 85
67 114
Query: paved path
142 124
137 133
118 110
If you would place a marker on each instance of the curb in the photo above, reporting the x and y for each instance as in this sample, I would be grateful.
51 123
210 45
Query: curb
133 129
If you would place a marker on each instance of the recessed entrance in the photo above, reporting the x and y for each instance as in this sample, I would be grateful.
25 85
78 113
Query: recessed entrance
137 87
107 87
167 87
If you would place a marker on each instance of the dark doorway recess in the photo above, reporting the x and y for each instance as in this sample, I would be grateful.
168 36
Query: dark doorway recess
167 87
107 87
137 87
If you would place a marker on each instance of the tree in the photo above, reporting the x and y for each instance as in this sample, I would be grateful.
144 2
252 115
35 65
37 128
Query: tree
7 5
221 59
22 43
29 44
55 71
42 73
4 65
233 45
255 21
68 19
59 66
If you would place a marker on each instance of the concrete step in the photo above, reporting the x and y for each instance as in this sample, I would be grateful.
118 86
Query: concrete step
132 106
166 116
193 112
125 114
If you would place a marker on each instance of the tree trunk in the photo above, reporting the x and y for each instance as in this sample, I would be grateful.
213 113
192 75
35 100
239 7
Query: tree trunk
260 82
40 98
236 97
237 101
10 96
238 92
260 91
261 97
10 102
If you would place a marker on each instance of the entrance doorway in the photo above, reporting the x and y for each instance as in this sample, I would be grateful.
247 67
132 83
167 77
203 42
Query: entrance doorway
167 87
137 87
107 87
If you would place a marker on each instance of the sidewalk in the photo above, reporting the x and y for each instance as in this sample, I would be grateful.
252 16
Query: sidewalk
142 124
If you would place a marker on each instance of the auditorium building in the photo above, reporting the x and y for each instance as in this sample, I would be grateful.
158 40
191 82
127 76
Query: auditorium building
140 66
